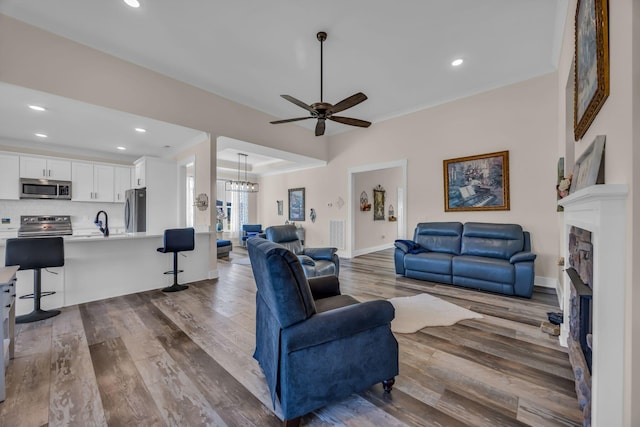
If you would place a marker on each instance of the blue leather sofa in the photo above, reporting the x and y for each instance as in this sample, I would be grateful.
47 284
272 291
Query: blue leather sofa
491 257
315 345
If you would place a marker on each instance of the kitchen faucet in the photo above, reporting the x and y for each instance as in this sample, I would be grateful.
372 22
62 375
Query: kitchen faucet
105 229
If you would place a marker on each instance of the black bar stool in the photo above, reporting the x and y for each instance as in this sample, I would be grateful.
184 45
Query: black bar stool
177 240
35 254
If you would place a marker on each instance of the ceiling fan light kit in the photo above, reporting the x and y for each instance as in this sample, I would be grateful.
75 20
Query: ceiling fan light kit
323 111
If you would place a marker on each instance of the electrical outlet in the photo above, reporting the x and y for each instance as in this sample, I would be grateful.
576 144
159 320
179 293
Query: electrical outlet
561 261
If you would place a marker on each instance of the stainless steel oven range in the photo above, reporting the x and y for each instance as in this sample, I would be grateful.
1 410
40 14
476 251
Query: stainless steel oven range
45 225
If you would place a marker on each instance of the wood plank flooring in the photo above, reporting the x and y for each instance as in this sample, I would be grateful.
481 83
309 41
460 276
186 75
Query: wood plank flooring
185 359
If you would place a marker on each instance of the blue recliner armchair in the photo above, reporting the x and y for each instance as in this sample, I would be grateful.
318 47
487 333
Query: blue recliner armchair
315 261
248 231
314 345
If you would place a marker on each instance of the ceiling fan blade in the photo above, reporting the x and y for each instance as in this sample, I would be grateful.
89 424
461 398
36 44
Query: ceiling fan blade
290 120
350 121
348 102
320 127
298 103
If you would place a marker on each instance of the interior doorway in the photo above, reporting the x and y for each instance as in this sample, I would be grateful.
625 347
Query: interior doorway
361 225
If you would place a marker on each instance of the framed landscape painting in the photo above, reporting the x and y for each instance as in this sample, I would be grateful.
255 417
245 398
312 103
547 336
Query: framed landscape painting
296 204
477 183
591 87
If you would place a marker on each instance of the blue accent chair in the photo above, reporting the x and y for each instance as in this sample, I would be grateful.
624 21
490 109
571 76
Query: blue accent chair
315 261
314 345
249 231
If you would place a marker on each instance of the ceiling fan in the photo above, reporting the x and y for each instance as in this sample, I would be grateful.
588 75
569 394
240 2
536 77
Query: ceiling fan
323 110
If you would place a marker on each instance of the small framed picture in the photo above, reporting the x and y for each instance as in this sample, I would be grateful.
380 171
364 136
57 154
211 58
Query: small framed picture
296 204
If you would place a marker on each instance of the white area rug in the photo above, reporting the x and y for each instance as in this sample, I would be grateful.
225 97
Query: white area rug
419 311
241 261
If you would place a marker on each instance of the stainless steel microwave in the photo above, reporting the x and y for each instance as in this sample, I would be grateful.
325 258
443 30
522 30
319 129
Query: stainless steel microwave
44 189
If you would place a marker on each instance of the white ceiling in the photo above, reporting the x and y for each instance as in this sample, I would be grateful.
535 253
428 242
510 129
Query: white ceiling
397 53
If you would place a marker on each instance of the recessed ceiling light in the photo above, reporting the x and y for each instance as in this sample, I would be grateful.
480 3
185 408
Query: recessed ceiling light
457 62
121 148
37 108
132 3
41 135
141 130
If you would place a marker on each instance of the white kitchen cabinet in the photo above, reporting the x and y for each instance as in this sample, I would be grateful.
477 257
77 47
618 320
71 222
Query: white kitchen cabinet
122 182
140 173
9 177
43 167
92 182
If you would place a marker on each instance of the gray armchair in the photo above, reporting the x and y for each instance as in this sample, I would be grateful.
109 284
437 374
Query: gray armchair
314 345
315 261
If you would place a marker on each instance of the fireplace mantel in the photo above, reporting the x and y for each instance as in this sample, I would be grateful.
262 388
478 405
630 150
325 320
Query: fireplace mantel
601 209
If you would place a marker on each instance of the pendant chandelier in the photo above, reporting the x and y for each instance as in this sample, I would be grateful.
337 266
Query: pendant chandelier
239 185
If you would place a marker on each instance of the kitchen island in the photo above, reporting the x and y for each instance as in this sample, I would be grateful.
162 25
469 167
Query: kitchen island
98 267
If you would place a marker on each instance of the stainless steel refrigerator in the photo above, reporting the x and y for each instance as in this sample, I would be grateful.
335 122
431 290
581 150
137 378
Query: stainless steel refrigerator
135 210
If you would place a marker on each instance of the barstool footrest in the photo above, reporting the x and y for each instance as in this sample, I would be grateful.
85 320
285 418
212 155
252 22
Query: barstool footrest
171 271
175 288
42 294
37 315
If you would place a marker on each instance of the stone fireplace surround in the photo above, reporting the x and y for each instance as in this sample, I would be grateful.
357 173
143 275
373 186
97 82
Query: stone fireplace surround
601 209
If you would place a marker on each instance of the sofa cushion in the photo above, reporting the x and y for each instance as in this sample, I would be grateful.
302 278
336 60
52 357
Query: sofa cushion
492 240
493 269
433 262
439 236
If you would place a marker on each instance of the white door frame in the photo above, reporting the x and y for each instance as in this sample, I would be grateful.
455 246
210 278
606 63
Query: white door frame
402 205
182 186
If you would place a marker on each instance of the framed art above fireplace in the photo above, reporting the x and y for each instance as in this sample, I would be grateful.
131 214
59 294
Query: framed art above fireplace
591 87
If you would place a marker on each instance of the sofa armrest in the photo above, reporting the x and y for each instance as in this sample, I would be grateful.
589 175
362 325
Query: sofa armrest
306 260
522 256
324 286
336 324
320 253
402 245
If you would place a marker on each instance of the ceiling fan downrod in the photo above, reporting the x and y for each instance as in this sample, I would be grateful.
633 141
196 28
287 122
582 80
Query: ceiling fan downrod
322 36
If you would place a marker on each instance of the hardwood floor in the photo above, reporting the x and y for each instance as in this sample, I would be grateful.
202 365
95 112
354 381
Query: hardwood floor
185 359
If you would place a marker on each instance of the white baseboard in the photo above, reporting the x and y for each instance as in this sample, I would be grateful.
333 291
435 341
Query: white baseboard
546 282
551 283
370 250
